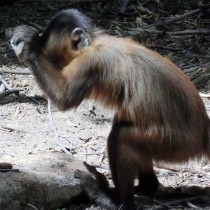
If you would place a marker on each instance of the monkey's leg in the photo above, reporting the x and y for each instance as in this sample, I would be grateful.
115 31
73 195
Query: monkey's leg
123 163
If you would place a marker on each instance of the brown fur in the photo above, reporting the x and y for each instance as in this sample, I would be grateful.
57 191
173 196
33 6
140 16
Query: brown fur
159 113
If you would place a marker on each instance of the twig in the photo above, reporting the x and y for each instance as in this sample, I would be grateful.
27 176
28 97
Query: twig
31 24
12 129
32 206
102 156
5 83
206 95
15 72
2 88
161 203
142 30
8 92
33 99
175 202
176 170
167 48
124 5
105 167
6 128
189 70
85 154
79 1
67 3
178 33
10 89
37 98
186 199
9 170
192 205
190 32
57 137
175 19
201 79
93 153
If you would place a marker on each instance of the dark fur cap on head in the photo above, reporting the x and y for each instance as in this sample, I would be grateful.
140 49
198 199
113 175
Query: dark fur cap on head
68 19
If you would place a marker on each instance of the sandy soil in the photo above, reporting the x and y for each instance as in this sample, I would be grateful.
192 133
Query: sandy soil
25 127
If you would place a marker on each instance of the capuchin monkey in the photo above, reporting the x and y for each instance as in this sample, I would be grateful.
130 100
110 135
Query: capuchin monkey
159 113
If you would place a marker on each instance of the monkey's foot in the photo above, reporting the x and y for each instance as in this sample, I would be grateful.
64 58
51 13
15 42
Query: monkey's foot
149 184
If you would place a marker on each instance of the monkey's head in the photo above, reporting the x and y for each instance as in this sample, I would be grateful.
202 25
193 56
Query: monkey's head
67 34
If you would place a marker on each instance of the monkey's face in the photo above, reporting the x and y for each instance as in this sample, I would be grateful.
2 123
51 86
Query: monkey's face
63 46
66 35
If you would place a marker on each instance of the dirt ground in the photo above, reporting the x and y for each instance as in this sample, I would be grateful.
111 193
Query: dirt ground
25 128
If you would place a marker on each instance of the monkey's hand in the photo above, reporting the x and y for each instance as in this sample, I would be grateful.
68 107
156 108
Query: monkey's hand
25 42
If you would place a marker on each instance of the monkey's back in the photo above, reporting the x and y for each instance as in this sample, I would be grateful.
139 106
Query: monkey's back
155 95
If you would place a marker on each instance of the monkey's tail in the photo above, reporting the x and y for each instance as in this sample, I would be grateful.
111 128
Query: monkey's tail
97 190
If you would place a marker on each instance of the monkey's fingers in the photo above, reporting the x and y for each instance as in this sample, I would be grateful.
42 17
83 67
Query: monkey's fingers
21 38
18 48
24 34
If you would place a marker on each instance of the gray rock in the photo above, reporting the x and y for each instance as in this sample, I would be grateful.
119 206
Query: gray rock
45 181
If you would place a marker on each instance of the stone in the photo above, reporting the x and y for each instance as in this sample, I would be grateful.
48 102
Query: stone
45 181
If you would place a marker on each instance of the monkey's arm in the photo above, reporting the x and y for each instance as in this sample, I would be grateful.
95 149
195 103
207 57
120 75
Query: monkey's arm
50 81
66 89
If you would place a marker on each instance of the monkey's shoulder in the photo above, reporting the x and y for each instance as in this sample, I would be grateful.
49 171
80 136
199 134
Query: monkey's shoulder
126 49
113 42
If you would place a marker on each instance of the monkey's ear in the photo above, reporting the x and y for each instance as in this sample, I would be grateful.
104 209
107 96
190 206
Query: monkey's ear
81 38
